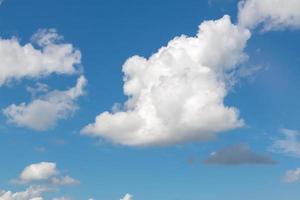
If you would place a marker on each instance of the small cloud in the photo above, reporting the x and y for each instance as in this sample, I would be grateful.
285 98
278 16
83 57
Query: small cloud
239 154
45 172
37 172
292 176
289 144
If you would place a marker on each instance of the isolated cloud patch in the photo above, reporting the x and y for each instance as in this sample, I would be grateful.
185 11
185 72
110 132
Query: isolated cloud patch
271 14
26 61
289 144
54 105
237 155
44 172
38 171
177 95
292 176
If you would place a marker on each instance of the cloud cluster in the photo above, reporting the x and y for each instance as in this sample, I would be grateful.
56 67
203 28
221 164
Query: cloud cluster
177 95
41 178
46 55
43 112
237 155
271 14
25 61
31 193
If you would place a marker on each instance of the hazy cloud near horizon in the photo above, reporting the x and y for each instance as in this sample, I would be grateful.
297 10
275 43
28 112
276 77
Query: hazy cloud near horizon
239 154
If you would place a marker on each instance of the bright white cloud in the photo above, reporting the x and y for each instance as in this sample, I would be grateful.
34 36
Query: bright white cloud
177 94
290 144
43 113
38 171
31 193
127 197
25 61
272 14
292 175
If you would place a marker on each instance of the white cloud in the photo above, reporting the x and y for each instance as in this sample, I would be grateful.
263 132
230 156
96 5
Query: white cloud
290 144
46 172
127 197
292 175
38 171
177 94
272 14
55 105
25 61
31 193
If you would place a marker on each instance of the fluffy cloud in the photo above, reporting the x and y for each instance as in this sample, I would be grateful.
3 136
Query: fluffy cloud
272 14
54 105
44 173
127 197
25 61
31 193
290 144
177 94
292 175
38 171
237 155
47 172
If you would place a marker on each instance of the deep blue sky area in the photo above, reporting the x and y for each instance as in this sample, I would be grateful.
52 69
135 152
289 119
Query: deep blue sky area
107 33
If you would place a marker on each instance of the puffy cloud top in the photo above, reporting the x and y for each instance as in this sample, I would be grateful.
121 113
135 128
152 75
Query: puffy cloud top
127 197
38 171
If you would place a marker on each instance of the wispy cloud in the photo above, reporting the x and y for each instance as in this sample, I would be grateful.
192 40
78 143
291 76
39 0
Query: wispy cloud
288 144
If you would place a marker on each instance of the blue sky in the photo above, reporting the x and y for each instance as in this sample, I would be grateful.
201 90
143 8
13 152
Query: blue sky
120 158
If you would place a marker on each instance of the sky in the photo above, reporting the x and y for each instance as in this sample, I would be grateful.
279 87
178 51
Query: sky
149 100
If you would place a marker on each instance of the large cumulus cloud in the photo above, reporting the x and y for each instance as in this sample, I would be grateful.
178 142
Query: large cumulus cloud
178 94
